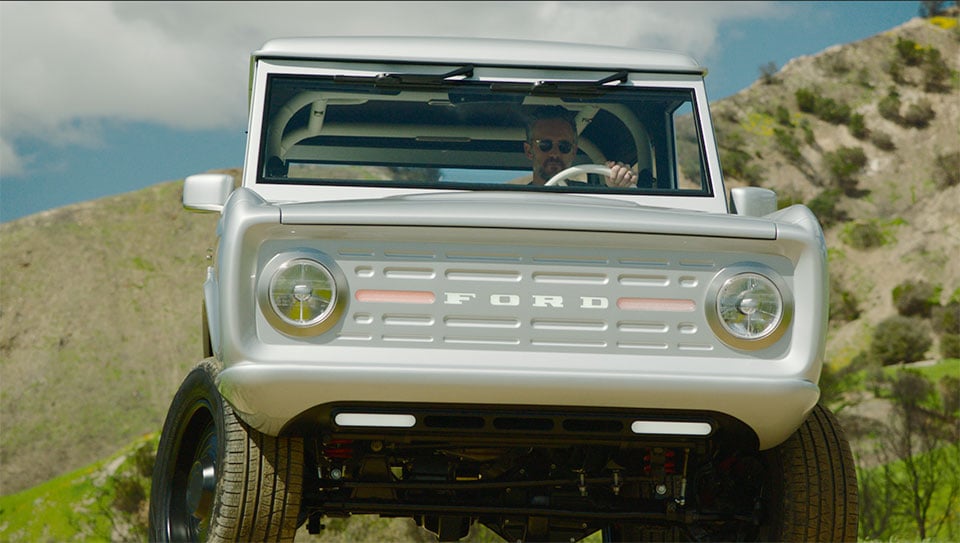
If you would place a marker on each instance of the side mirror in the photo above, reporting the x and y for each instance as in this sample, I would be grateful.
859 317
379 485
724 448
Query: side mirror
752 201
207 191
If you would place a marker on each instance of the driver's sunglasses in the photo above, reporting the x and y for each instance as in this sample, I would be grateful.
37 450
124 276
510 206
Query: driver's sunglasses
563 146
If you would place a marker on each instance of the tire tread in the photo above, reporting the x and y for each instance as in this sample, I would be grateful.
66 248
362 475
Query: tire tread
259 477
819 501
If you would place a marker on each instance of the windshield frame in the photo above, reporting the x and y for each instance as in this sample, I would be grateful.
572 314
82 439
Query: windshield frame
432 77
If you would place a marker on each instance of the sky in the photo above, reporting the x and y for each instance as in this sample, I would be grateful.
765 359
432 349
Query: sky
103 98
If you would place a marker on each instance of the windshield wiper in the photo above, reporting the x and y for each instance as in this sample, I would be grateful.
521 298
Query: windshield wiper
591 88
425 79
599 86
554 88
414 80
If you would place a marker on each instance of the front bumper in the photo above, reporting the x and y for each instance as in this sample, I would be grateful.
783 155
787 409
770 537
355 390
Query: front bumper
270 396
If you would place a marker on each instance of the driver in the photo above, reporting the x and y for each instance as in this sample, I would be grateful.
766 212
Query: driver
552 143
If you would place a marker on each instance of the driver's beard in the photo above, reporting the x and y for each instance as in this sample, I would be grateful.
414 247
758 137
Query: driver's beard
550 168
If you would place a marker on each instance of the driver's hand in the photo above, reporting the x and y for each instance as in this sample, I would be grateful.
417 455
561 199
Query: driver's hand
621 175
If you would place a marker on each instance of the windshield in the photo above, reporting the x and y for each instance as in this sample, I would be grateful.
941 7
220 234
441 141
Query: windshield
422 132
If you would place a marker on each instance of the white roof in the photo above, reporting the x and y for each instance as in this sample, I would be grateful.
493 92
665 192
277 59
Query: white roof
479 51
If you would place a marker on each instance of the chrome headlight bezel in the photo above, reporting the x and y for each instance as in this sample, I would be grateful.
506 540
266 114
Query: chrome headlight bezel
725 299
324 268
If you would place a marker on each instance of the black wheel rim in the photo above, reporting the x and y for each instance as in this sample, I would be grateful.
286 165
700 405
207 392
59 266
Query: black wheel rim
194 477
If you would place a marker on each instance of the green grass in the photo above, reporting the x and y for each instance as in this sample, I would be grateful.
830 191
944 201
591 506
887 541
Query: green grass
904 529
934 372
62 509
948 367
76 506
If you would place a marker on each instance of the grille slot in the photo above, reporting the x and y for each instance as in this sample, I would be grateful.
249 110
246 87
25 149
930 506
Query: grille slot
593 426
409 273
584 326
643 327
454 422
508 341
527 298
526 424
482 322
510 276
631 280
570 278
408 320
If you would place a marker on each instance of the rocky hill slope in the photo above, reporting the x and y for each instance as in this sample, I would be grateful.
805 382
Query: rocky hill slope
867 135
100 301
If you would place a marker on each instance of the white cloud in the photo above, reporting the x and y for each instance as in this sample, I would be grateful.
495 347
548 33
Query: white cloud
76 61
10 163
67 67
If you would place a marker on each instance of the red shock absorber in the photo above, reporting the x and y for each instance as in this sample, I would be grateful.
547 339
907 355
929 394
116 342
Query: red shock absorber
660 462
338 449
670 464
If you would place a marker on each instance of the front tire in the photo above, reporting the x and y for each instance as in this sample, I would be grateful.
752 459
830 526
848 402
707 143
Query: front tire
813 481
809 493
216 479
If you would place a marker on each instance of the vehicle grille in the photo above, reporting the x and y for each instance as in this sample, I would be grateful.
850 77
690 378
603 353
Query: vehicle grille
578 299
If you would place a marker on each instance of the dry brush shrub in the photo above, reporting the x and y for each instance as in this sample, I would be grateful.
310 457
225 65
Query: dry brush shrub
768 73
736 161
945 320
844 306
824 108
936 73
806 100
909 51
948 169
919 114
843 166
788 145
863 235
782 115
882 140
889 106
916 298
900 339
826 206
858 126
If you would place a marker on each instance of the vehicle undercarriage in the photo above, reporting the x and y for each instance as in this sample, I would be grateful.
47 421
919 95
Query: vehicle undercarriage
529 482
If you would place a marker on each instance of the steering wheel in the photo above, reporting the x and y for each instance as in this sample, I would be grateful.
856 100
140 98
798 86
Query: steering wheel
561 178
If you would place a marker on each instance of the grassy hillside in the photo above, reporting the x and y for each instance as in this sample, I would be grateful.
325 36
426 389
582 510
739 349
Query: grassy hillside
100 322
100 301
93 503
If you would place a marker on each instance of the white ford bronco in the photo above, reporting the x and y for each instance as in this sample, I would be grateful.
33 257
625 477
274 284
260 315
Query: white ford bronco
406 318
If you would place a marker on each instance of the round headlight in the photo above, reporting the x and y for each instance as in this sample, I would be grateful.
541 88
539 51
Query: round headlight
751 309
301 292
298 293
